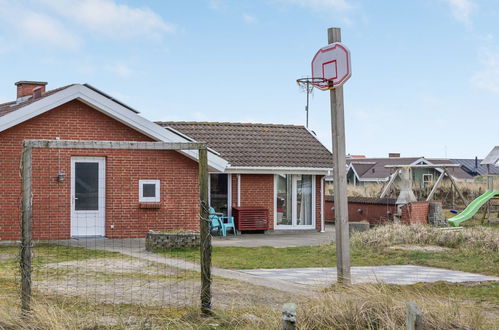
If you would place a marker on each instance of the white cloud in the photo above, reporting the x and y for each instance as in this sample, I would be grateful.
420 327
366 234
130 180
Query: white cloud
462 10
335 5
249 19
217 5
488 77
35 27
120 69
43 29
113 20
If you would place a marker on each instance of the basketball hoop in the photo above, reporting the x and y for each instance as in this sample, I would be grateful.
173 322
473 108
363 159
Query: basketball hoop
307 85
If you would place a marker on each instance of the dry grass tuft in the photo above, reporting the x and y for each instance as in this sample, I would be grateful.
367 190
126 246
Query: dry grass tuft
356 307
384 307
478 238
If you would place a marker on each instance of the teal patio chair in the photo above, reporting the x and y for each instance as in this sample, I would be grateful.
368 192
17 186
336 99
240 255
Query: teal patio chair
219 221
216 223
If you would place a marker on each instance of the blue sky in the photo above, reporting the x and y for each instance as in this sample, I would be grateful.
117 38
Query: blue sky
425 78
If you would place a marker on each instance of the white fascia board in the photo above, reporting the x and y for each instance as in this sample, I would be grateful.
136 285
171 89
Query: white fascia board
276 170
354 171
111 109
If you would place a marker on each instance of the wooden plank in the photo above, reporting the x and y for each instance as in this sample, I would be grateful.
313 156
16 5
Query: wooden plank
205 236
455 186
69 144
389 184
435 186
26 230
339 176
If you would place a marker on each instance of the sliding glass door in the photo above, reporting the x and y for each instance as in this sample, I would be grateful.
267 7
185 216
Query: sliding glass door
294 195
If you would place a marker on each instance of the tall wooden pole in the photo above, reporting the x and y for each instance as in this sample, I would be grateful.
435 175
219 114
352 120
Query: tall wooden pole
26 225
339 175
204 233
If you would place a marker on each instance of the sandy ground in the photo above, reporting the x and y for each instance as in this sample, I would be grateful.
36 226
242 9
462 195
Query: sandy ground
136 281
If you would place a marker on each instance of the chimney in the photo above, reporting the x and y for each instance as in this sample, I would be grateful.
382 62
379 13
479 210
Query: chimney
25 88
394 155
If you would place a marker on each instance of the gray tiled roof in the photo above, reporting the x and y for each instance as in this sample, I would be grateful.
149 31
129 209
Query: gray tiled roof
259 145
469 166
374 168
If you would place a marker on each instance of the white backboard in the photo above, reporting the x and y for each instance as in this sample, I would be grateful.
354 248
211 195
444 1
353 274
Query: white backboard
331 63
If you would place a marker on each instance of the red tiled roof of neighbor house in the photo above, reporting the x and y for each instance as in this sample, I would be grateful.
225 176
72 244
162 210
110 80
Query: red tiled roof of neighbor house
258 145
8 107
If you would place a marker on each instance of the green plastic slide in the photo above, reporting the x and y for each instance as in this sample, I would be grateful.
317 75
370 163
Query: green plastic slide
472 208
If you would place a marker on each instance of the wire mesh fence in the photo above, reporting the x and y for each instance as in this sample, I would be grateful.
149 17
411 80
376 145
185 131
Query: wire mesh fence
89 210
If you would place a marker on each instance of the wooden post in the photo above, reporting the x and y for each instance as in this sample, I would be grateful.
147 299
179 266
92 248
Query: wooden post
339 175
288 317
26 225
435 186
204 233
414 317
457 188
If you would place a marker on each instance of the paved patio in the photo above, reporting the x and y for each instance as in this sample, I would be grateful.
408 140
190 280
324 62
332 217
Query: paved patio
278 239
402 274
292 280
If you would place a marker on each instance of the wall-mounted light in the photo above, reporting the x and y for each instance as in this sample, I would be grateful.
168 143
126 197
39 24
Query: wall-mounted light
60 177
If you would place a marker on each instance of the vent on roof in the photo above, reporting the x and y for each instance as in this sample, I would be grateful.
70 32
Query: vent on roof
26 88
37 92
394 155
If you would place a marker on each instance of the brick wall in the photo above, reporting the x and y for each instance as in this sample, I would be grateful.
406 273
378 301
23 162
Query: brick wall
372 213
51 199
258 190
415 213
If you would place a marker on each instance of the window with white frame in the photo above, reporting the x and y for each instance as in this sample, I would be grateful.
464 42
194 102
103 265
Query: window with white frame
427 180
149 191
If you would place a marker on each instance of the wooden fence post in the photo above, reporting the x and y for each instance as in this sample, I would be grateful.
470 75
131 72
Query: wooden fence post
26 243
288 317
204 233
414 317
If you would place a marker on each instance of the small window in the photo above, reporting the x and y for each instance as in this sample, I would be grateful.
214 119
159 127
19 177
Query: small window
149 191
427 180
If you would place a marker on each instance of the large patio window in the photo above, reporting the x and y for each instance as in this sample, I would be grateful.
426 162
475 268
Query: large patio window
294 200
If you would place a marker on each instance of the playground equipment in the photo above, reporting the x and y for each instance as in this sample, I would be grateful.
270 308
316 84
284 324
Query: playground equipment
405 186
492 160
473 208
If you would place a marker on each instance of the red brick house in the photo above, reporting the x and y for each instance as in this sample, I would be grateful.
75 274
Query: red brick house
79 192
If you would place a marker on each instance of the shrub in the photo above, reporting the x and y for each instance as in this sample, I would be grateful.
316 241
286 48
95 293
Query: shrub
479 238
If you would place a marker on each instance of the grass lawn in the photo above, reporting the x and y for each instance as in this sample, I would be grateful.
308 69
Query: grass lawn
324 256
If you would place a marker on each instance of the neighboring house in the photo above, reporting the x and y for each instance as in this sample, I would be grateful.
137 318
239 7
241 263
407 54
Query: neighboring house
361 171
475 167
279 167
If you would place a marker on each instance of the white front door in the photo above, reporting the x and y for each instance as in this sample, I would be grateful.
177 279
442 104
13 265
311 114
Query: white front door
88 192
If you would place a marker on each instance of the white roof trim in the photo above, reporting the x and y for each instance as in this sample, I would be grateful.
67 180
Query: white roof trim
350 166
111 109
276 170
